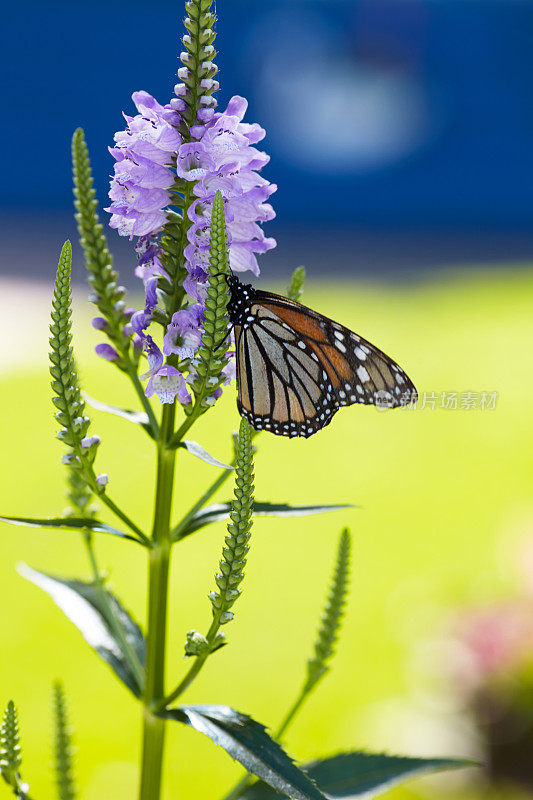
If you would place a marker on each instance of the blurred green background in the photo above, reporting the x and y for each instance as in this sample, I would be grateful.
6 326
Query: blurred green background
444 498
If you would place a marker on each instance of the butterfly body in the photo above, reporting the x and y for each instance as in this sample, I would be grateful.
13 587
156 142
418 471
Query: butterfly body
296 368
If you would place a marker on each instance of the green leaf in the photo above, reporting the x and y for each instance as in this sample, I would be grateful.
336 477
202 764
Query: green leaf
138 417
87 607
219 511
197 450
358 774
72 524
63 751
248 743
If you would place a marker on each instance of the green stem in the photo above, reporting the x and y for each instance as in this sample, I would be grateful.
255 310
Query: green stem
187 423
197 665
213 489
158 579
120 514
291 714
129 653
215 486
90 477
247 779
132 372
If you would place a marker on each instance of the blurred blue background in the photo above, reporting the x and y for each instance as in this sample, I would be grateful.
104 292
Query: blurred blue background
402 127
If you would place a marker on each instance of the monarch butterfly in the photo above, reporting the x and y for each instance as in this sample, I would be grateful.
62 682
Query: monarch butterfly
296 368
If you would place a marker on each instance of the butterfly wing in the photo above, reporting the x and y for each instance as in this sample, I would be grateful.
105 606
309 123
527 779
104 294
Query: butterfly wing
282 387
297 367
359 371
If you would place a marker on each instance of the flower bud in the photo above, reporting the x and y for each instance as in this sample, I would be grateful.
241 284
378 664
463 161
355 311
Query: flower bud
102 479
196 644
204 115
90 441
178 104
208 84
106 352
99 323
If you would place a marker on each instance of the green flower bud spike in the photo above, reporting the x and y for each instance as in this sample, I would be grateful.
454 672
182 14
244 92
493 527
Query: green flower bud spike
67 395
211 358
333 612
66 392
64 771
296 285
236 547
328 631
232 565
10 752
197 75
198 60
107 295
79 495
102 277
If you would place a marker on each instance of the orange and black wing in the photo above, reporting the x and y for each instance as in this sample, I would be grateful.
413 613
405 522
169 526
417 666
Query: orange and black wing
295 368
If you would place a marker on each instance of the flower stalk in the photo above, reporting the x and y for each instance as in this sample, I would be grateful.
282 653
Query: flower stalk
232 563
157 604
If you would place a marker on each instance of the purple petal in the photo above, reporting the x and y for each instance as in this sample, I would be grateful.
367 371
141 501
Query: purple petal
193 161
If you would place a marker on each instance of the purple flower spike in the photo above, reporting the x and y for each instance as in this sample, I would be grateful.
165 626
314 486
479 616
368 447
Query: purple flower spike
143 153
106 352
149 156
229 163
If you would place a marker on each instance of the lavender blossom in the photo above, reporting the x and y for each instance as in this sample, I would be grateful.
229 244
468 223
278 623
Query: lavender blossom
224 159
183 334
144 155
168 384
151 159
